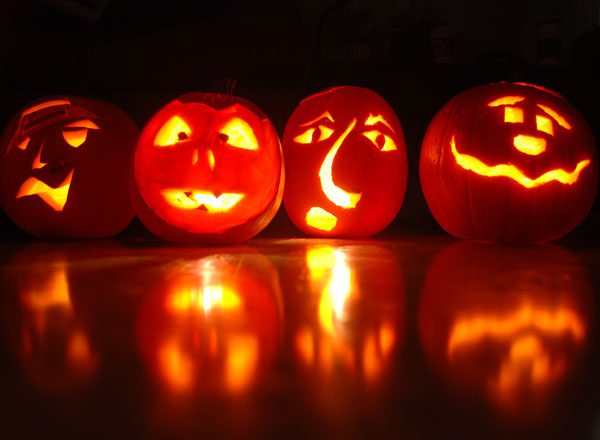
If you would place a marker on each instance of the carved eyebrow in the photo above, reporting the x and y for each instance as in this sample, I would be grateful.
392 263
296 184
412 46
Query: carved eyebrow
82 123
372 120
44 105
506 100
558 118
325 115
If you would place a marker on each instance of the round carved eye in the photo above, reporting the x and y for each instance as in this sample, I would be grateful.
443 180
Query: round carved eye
176 130
238 133
380 140
313 135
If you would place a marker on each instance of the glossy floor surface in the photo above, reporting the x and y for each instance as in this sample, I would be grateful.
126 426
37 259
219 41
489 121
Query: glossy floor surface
400 337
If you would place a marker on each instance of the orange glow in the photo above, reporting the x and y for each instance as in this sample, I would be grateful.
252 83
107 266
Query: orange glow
307 136
372 120
544 124
49 292
241 362
176 367
79 351
211 159
75 138
530 145
240 134
23 144
473 164
506 100
557 117
473 330
47 104
37 162
175 130
320 219
333 192
388 142
54 197
325 115
83 123
194 199
513 115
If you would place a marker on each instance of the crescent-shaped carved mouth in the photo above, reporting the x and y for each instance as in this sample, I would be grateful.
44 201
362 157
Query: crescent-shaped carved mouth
201 199
471 163
54 197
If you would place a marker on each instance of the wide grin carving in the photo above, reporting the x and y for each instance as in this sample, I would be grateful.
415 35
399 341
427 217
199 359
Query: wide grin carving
54 197
200 199
471 163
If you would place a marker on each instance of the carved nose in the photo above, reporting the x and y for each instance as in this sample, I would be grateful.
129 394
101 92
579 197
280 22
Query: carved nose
210 158
531 145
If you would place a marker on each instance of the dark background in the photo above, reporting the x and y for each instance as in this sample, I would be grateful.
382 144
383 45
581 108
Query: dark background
140 54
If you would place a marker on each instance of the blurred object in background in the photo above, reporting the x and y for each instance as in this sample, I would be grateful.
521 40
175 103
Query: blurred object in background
442 45
89 10
549 42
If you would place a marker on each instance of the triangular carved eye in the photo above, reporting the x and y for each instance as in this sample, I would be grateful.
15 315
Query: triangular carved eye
174 131
239 134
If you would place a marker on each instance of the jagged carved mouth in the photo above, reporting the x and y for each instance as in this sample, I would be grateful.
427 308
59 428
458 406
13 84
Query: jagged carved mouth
54 197
471 163
201 199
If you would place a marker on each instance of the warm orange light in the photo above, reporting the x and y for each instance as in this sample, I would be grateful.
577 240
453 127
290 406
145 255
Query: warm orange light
241 361
530 145
240 134
544 124
308 136
506 100
175 130
557 117
320 219
325 115
374 119
211 159
175 366
472 330
47 104
23 144
194 199
471 163
513 115
388 142
75 138
37 162
54 197
333 192
83 123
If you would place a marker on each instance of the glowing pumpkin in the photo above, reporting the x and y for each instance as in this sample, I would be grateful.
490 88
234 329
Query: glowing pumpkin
510 323
211 324
345 158
509 162
208 168
64 168
349 321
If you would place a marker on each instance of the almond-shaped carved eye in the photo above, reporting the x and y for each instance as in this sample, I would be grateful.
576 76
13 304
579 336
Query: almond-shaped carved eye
176 130
75 133
313 135
238 133
382 141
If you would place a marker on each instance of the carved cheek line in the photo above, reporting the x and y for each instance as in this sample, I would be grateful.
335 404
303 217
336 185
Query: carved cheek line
473 164
54 197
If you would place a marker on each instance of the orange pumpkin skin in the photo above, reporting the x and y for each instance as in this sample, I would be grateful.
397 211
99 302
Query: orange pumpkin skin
64 168
524 166
345 158
197 156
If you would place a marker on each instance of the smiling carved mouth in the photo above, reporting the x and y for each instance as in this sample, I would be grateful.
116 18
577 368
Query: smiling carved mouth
471 163
196 199
54 197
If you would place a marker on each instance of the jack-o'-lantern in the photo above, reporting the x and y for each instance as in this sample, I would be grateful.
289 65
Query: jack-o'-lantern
55 349
212 324
508 323
509 162
345 159
208 168
347 326
64 168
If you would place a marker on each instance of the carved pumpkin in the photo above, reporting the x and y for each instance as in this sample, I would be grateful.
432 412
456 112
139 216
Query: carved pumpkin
509 162
211 324
208 168
349 321
345 158
64 168
510 323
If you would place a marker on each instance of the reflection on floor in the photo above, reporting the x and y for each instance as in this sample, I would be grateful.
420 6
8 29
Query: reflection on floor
300 337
